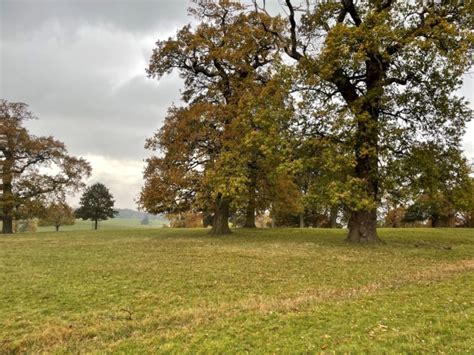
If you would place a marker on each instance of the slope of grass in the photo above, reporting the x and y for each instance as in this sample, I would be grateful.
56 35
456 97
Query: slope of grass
282 290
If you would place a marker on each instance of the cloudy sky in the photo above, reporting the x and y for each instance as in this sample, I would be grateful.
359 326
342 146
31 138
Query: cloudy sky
80 65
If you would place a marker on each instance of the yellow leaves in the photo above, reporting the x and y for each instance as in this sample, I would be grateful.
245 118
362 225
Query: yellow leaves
354 193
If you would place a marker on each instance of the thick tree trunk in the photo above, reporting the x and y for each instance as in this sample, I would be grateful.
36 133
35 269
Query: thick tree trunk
438 221
95 224
363 223
333 217
366 108
451 222
250 214
57 228
7 227
301 220
220 223
251 207
8 199
363 227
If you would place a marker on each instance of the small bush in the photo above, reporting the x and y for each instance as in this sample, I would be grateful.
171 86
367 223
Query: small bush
25 225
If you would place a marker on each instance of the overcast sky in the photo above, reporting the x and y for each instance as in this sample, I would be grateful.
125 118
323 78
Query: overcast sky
80 65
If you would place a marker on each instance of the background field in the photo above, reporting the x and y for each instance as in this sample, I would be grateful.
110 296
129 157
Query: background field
115 223
281 290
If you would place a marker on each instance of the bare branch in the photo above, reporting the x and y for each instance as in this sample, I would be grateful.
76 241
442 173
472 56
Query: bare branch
348 7
293 50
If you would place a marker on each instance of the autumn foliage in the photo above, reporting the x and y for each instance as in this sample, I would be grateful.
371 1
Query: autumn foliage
34 170
307 111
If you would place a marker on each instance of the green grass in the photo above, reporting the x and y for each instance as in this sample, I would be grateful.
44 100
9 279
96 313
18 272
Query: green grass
282 290
115 223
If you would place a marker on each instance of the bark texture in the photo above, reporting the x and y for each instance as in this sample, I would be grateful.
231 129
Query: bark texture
301 220
251 207
7 225
7 195
363 223
220 222
363 227
333 217
250 217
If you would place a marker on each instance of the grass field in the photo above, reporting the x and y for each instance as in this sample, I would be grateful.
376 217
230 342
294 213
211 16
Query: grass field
281 290
114 223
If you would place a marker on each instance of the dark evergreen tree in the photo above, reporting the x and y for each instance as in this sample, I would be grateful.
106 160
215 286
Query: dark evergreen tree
96 204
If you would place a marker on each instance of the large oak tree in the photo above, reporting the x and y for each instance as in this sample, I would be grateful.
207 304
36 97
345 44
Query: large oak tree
32 168
218 149
377 76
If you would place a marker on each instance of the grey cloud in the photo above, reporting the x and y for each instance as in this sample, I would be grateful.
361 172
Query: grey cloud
21 17
92 92
111 123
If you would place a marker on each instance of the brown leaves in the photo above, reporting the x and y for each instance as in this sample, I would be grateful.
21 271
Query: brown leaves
33 167
211 145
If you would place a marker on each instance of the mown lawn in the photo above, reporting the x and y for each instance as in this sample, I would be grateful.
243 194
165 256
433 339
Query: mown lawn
282 290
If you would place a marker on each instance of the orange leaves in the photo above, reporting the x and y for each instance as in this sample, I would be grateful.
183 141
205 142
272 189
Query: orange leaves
33 167
229 129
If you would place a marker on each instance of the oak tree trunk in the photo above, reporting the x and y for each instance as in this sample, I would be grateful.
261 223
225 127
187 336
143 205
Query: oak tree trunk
438 221
251 207
220 223
7 195
57 228
363 227
301 220
95 224
333 217
451 221
363 223
250 214
7 227
272 215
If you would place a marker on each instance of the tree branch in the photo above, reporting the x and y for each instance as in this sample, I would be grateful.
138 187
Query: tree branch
348 7
293 50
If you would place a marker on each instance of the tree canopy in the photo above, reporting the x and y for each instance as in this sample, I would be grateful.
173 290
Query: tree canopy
436 181
369 81
57 214
96 204
376 77
33 169
222 149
